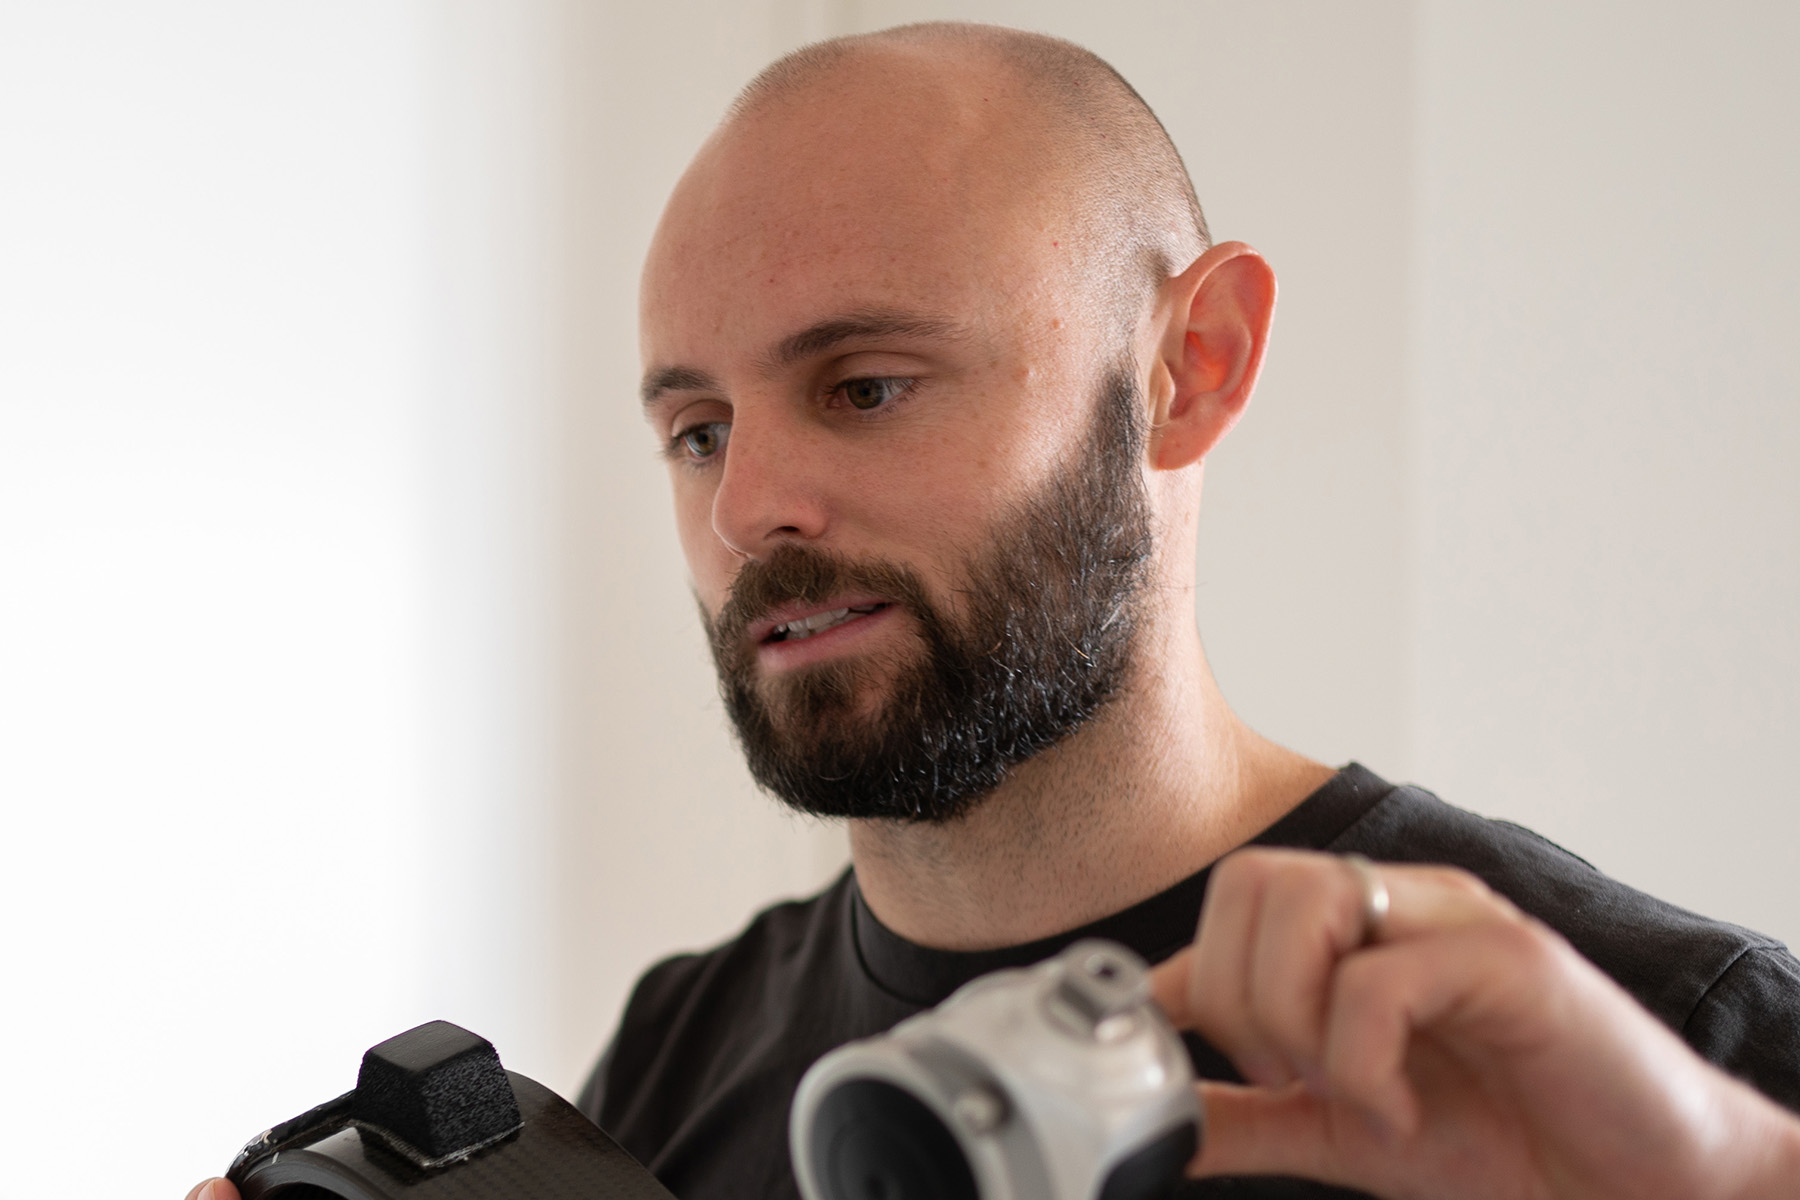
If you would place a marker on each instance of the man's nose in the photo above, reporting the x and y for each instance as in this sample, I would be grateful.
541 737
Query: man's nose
770 491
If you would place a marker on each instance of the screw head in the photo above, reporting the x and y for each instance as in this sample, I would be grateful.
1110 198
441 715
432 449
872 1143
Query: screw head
980 1109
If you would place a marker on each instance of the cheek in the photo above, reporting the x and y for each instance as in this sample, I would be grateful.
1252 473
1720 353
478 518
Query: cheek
935 502
996 455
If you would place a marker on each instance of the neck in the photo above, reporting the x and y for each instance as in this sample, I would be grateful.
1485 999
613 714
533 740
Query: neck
1163 781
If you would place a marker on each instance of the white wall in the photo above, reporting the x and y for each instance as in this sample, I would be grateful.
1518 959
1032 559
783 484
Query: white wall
340 604
211 574
1609 432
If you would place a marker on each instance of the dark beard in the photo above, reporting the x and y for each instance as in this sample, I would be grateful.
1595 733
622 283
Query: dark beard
1049 638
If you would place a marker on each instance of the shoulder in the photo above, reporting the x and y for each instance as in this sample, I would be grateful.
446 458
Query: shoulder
1733 993
688 1015
1749 1021
1665 954
770 946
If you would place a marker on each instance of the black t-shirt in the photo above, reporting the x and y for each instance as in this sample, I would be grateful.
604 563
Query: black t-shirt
699 1076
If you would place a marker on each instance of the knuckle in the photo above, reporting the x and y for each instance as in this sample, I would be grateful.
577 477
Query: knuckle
1526 942
1460 882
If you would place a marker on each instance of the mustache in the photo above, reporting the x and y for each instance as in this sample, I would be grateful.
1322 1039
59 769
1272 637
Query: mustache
795 574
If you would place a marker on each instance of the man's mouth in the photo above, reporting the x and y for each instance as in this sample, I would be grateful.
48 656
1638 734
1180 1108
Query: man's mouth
801 628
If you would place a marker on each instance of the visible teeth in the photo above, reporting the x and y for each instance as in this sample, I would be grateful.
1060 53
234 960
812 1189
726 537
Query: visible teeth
803 628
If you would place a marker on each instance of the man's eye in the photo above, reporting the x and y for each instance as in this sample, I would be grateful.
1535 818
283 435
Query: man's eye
870 393
704 441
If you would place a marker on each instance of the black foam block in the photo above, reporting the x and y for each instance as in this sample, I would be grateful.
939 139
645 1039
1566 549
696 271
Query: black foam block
438 1088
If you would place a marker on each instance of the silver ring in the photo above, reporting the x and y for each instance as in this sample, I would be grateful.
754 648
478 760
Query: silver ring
1375 898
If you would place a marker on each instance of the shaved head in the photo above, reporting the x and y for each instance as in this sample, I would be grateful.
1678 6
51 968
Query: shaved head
1119 174
921 342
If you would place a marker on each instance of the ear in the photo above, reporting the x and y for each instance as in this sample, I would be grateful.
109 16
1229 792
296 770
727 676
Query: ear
1213 328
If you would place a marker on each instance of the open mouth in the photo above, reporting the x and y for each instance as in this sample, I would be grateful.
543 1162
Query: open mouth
801 628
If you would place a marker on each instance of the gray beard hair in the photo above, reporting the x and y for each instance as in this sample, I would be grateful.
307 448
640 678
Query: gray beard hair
1050 636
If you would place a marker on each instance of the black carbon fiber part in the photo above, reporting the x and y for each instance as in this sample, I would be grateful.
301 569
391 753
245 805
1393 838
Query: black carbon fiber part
508 1136
557 1154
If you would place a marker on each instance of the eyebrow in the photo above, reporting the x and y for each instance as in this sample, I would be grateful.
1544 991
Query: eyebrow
869 323
813 340
674 379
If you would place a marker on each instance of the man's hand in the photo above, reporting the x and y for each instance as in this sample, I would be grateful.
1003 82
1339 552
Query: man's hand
1459 1048
213 1189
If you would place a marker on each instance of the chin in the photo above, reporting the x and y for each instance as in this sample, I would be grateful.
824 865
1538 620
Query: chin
811 705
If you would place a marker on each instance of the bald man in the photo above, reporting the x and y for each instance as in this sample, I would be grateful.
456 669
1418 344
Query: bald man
937 343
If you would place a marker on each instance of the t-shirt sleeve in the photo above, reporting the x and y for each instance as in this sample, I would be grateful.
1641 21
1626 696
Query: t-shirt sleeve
593 1092
1748 1022
1733 994
619 1095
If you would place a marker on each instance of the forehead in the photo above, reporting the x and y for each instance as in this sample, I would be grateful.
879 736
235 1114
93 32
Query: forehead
883 184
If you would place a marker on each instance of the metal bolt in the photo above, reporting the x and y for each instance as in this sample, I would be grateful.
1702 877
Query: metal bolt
980 1109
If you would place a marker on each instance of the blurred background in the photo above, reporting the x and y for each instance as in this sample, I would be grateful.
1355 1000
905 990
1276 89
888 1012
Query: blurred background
348 675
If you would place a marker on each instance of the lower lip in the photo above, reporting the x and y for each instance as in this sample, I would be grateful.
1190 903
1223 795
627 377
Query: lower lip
786 655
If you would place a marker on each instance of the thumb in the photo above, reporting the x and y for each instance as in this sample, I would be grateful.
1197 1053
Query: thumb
214 1189
1169 987
1268 1131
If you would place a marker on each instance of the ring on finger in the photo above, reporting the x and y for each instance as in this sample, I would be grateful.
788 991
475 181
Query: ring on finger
1375 898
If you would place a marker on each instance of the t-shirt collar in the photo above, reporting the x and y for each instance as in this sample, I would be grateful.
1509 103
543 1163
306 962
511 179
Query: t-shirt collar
1155 928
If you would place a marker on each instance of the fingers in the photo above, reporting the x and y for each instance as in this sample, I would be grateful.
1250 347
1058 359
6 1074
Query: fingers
1275 928
1254 1131
1169 987
1310 917
1472 973
1266 1131
1218 981
213 1189
1466 1049
1473 988
1428 900
1291 1131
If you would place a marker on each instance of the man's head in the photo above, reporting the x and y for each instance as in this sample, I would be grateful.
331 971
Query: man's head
921 333
1045 120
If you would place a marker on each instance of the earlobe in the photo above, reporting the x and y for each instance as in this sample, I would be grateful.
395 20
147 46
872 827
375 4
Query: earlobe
1215 328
